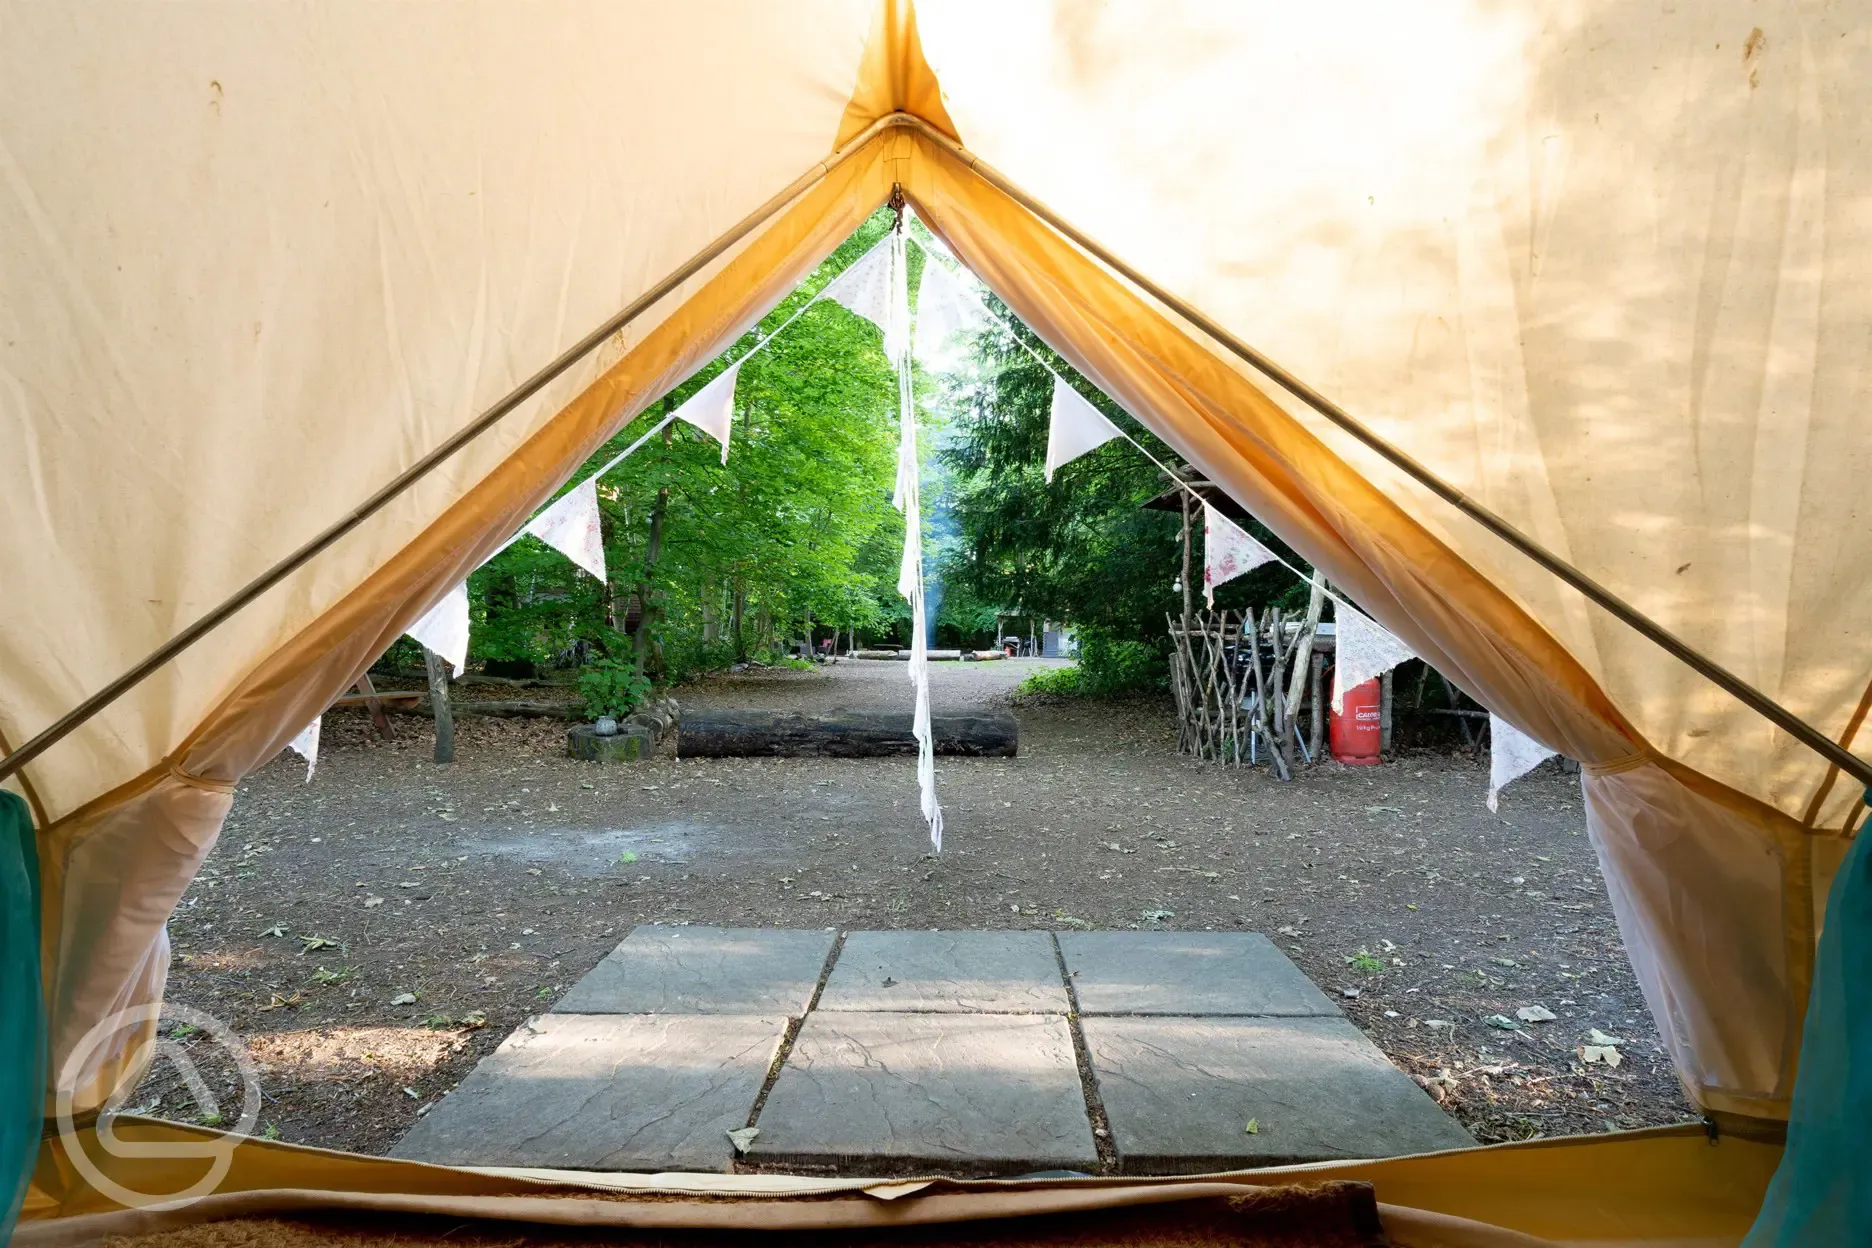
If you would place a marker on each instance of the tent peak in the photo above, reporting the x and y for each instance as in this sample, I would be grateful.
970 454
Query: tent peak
895 77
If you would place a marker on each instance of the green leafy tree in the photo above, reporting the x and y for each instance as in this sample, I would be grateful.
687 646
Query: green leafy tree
1082 550
711 562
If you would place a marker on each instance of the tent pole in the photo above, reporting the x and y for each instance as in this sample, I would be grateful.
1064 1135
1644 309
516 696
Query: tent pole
66 723
1767 707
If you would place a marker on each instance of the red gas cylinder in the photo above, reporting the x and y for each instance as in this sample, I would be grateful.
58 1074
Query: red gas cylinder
1357 730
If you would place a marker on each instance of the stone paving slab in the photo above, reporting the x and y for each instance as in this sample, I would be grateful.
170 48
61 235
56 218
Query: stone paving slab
605 1092
947 972
1178 1094
704 970
1187 973
888 1093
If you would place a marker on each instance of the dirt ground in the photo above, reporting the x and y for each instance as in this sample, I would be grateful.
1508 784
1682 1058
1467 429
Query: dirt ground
375 932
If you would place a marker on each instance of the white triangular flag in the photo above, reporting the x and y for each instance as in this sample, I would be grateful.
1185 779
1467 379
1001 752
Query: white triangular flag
1228 550
570 526
1362 649
711 409
1074 427
305 745
445 628
1511 755
945 308
865 288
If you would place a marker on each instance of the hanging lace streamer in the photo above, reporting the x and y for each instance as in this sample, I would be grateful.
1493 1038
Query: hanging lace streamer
1511 755
1228 551
1362 649
908 499
305 745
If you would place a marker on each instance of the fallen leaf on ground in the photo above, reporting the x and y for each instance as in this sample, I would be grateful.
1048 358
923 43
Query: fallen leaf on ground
1501 1022
1535 1014
403 998
1595 1036
1254 1126
741 1137
278 929
1601 1053
370 902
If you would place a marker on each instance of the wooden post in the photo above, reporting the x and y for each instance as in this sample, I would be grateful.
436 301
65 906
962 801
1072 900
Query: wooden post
1384 713
374 705
1277 671
439 702
1317 728
1316 603
1276 754
1186 561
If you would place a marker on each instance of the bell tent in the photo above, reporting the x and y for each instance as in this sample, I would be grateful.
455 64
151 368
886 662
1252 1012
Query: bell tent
1543 329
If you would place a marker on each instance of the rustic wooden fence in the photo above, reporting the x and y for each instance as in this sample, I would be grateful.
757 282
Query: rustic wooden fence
1241 680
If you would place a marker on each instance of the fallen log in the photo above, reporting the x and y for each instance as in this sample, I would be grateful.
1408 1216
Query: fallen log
844 734
500 710
386 699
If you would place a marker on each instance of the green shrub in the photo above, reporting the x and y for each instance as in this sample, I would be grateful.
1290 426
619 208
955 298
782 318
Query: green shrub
686 658
612 688
1108 666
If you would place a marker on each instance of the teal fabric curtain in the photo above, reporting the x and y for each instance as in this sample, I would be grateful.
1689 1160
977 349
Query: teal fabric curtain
1820 1194
22 1009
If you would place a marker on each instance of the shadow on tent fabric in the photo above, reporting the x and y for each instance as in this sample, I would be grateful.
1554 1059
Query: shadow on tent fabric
1819 1194
22 1017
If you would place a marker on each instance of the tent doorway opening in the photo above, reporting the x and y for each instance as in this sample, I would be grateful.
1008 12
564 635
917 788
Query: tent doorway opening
1126 959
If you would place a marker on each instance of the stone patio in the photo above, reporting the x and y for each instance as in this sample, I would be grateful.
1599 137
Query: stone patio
973 1053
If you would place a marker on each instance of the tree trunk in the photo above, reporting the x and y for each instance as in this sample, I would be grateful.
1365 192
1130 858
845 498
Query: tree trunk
711 615
439 699
844 734
648 656
737 611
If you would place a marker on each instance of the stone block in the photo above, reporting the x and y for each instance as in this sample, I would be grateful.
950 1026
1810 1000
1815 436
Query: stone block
627 746
1183 973
950 972
975 1094
704 970
605 1092
1179 1094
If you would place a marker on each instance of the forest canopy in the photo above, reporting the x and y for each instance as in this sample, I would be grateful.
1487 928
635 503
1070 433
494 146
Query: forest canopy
795 537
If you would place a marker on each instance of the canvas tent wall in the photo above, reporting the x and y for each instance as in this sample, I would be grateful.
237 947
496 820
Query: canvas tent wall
1595 264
